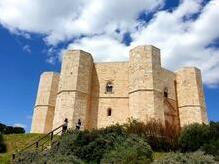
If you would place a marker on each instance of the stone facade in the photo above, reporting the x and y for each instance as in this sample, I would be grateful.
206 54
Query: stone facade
101 94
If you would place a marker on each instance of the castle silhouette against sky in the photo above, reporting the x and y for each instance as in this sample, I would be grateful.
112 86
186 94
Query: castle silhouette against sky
101 94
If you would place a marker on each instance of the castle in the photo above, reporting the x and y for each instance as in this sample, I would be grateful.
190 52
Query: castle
101 94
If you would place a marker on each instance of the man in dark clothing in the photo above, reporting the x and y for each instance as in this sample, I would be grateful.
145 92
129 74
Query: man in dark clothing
78 125
65 126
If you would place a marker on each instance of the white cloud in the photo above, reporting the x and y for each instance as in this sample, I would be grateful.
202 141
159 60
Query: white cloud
27 49
52 56
103 48
184 35
19 125
185 41
60 20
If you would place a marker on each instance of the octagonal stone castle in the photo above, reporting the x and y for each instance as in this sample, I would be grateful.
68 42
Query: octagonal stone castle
101 94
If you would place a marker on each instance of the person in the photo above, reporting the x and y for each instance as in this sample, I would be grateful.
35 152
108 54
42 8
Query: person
65 126
78 125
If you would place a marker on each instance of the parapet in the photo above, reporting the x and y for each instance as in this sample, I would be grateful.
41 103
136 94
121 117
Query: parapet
77 52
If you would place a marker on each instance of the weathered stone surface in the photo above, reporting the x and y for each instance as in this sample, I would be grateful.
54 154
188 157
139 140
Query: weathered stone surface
45 103
191 102
73 97
138 87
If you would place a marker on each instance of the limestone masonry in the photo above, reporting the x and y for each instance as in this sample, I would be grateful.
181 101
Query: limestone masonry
101 94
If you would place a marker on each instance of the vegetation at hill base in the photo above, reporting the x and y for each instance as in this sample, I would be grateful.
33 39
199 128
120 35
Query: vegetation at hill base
200 136
4 129
14 142
2 144
134 142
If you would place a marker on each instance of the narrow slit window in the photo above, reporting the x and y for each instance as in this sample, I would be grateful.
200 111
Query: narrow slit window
109 87
165 93
109 112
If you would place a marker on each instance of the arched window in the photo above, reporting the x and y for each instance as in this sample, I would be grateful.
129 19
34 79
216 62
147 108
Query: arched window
109 87
165 93
109 112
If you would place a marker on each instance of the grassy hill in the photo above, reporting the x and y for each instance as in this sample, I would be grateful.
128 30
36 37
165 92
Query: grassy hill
15 142
134 142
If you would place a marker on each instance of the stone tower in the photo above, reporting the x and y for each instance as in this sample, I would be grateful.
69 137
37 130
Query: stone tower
144 91
45 103
73 96
191 102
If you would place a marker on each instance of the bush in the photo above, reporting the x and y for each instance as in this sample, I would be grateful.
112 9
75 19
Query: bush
2 145
212 148
27 157
10 129
85 145
2 128
90 146
160 138
39 158
132 150
18 130
193 137
200 136
61 159
13 130
177 158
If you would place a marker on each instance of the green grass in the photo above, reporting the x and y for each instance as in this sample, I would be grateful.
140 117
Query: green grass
5 158
159 155
16 142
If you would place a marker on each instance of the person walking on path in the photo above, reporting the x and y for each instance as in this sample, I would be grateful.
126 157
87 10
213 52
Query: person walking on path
65 126
78 125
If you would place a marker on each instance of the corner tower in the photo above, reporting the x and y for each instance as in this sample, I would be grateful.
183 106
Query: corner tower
45 103
190 94
145 95
74 89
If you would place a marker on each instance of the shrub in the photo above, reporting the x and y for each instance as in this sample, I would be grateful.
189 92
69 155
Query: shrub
61 159
177 158
132 150
47 158
2 145
193 137
212 148
13 130
2 128
90 146
27 157
160 138
10 129
200 136
18 130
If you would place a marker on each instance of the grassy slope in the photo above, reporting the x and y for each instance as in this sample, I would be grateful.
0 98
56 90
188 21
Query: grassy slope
15 142
18 141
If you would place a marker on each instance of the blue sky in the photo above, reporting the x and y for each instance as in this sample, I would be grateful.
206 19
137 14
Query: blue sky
34 35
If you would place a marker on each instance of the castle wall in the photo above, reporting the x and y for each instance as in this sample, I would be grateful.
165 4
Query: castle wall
145 98
138 87
45 103
117 74
190 96
73 97
168 80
